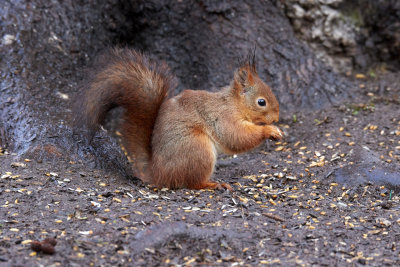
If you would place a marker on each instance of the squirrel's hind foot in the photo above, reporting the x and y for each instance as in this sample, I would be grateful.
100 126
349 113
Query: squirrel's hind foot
214 185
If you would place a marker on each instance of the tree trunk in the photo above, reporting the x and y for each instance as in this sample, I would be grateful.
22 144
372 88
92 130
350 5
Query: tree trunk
47 44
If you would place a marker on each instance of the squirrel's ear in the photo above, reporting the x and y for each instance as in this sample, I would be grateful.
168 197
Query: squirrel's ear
243 79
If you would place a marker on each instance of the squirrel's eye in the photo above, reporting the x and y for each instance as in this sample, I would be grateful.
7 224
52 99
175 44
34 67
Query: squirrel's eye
261 102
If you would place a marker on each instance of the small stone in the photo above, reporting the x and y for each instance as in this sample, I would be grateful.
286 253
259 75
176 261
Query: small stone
8 39
383 222
48 248
36 246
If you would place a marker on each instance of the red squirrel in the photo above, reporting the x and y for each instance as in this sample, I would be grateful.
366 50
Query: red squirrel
174 141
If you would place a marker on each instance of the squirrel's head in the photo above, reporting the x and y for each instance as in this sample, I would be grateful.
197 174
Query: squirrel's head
256 100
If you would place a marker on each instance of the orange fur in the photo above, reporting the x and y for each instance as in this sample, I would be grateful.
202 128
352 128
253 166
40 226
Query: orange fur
174 142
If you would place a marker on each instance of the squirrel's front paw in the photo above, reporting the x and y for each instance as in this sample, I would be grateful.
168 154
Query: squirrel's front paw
274 132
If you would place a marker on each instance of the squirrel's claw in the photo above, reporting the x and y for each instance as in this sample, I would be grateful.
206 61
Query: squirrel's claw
274 132
280 133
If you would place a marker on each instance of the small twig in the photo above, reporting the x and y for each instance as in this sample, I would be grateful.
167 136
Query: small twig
330 173
273 216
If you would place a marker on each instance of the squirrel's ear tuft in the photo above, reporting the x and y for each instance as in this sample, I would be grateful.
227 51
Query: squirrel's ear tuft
249 61
243 79
244 76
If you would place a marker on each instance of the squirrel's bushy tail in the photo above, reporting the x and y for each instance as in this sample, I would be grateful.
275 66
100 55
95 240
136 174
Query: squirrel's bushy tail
126 78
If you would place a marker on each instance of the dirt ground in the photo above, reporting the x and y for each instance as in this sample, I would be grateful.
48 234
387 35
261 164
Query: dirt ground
328 195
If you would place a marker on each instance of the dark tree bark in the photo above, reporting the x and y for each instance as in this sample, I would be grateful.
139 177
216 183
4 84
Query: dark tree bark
379 41
47 44
202 41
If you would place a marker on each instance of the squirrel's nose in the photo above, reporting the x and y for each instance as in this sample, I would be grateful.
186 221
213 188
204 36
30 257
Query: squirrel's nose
275 117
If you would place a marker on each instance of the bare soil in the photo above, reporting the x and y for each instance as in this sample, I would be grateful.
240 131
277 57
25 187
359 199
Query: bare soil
303 201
